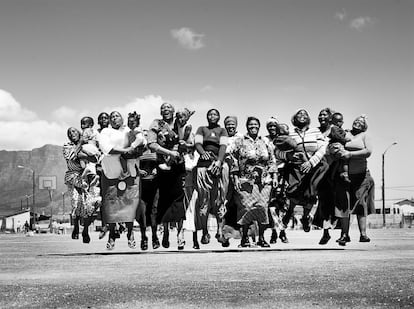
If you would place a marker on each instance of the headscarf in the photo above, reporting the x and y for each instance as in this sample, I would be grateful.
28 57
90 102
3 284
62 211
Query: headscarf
229 119
272 120
293 119
363 118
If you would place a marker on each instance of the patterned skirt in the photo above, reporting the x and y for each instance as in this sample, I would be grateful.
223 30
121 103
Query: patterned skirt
254 201
212 192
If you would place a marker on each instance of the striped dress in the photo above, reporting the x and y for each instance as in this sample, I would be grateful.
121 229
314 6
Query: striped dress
302 189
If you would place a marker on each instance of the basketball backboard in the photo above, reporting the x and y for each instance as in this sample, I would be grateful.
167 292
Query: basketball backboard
47 182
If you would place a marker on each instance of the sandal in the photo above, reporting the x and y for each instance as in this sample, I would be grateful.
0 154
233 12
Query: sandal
103 232
131 242
181 244
110 245
155 243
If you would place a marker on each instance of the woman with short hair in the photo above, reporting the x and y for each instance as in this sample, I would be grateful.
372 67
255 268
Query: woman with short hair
255 173
162 140
304 169
212 176
361 187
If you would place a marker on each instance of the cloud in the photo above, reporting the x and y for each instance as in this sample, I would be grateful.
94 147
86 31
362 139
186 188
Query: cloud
206 88
360 23
26 131
11 109
341 15
188 38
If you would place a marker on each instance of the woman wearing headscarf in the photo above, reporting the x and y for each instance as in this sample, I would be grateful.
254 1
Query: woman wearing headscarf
81 208
254 175
120 197
212 175
272 126
361 187
230 225
305 167
162 140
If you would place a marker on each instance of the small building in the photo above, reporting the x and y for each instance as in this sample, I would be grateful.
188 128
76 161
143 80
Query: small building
406 207
15 222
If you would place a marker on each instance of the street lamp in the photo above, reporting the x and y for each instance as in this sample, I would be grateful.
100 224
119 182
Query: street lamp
383 183
34 189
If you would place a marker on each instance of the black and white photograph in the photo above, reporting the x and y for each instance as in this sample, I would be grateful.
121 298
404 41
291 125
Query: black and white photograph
206 154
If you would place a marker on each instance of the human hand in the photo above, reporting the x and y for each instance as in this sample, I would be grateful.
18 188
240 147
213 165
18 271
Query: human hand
174 153
206 156
346 155
306 167
216 167
236 182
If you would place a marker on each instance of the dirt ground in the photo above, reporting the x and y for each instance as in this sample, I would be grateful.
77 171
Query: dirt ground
54 271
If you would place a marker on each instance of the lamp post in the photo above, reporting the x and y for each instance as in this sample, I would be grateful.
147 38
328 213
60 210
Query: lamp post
33 188
383 183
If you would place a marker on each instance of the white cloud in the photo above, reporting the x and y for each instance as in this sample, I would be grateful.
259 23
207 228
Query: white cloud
66 115
360 23
26 131
206 88
10 109
341 15
188 38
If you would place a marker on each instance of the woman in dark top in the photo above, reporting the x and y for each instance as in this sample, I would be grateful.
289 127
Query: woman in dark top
212 176
162 140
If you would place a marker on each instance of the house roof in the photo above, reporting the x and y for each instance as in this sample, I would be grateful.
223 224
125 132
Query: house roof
15 213
406 202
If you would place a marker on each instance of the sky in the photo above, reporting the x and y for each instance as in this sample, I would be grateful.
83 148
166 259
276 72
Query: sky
61 60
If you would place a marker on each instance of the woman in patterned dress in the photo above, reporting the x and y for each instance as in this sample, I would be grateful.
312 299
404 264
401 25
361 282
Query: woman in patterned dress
254 173
81 208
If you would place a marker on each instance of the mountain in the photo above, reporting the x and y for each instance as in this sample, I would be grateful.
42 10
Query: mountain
16 184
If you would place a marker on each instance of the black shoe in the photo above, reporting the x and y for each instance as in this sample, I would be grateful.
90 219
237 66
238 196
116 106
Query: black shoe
144 244
245 243
205 239
282 237
324 240
262 243
305 223
85 238
196 246
165 243
75 235
343 240
155 243
364 238
225 243
273 238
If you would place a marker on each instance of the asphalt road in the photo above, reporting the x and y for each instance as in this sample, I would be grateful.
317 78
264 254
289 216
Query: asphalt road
54 271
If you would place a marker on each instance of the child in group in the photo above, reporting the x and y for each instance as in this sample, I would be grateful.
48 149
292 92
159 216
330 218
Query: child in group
337 141
183 131
284 142
89 146
137 141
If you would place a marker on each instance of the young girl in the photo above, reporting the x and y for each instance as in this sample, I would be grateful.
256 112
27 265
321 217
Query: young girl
89 146
136 140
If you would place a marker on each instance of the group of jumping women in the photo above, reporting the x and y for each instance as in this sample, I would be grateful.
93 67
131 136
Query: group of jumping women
171 177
